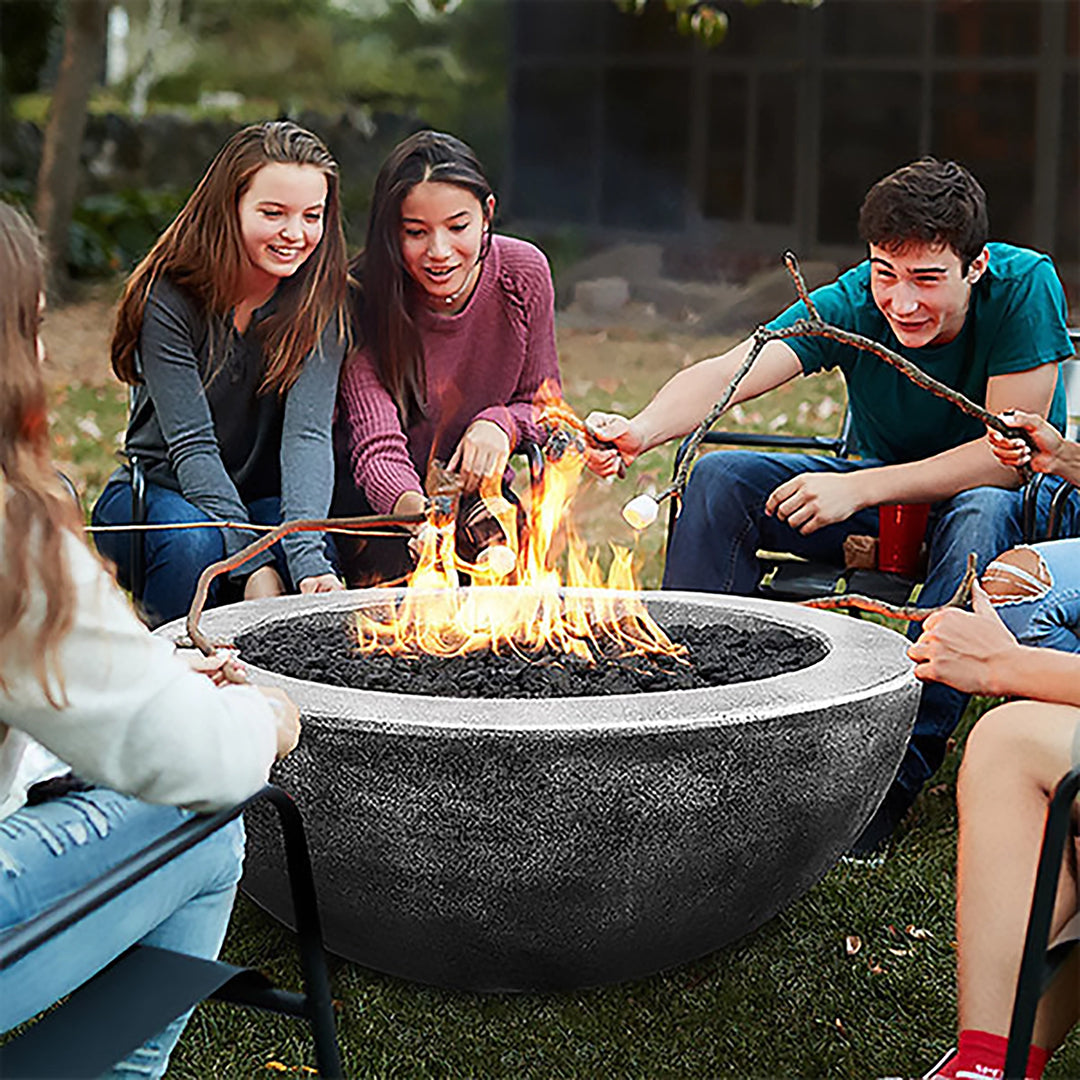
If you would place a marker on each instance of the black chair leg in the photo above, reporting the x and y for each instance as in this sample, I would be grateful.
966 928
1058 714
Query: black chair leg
1036 969
309 934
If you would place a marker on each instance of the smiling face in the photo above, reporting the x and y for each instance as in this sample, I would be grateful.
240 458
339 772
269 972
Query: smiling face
442 235
281 220
922 291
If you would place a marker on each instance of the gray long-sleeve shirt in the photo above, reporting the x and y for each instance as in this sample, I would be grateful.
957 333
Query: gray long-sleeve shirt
202 428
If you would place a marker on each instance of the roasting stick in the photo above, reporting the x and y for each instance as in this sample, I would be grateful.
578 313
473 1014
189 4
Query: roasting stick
907 612
231 562
811 326
246 526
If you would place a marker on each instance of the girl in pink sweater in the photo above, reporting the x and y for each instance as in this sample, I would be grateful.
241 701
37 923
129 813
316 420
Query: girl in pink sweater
456 331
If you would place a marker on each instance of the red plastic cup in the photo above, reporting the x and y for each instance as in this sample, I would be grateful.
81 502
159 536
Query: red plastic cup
901 528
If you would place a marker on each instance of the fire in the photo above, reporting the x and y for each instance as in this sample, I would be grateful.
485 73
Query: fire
519 601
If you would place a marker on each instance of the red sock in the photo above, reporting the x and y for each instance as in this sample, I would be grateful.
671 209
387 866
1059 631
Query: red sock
981 1056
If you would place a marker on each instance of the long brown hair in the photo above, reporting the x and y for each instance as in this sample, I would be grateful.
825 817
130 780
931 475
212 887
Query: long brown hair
37 509
382 308
202 252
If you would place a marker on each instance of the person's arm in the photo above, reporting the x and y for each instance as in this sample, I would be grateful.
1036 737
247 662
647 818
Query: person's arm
686 398
378 451
974 651
167 353
307 462
1053 453
137 718
811 501
494 432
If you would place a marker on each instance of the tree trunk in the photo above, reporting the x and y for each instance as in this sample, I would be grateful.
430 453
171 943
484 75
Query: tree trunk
84 42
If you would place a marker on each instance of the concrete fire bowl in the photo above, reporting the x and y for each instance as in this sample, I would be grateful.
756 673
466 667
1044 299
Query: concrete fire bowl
536 845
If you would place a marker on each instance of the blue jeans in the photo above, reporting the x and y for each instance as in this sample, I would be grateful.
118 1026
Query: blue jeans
173 559
50 850
1050 618
723 524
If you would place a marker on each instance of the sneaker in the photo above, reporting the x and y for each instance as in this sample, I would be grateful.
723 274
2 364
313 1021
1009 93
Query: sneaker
936 1070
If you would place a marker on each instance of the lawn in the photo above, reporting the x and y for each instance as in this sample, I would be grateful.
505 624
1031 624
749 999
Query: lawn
854 980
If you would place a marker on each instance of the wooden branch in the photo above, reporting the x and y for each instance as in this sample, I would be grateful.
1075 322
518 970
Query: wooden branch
813 326
907 612
256 547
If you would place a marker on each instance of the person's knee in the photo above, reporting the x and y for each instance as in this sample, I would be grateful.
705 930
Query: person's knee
184 551
1019 574
994 746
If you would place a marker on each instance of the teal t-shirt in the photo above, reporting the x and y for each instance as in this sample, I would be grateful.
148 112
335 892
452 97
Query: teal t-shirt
1016 320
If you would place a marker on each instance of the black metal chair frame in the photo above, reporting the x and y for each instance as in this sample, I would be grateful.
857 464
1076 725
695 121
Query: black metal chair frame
1042 959
142 990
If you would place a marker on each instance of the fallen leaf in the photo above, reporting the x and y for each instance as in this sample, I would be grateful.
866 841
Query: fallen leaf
840 1026
609 386
778 421
876 969
900 952
917 932
88 427
277 1066
852 944
938 789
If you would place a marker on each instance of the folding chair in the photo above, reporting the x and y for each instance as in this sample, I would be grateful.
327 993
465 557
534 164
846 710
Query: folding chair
1042 959
145 988
788 577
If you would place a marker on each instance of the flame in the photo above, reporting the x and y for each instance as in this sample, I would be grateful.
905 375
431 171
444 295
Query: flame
587 616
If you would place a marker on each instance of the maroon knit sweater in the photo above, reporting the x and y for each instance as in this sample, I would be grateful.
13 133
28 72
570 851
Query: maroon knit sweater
486 362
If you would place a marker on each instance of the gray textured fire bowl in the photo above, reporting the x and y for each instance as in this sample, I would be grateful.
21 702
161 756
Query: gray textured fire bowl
541 845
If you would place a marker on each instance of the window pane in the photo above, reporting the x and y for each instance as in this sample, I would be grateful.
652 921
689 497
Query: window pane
889 28
645 148
553 144
764 30
870 126
987 122
726 152
1067 243
987 27
546 28
774 197
650 33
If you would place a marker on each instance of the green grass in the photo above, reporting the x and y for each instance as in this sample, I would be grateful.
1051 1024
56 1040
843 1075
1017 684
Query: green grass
788 1001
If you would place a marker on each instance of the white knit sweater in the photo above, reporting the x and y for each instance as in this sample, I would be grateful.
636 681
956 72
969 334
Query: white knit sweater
137 719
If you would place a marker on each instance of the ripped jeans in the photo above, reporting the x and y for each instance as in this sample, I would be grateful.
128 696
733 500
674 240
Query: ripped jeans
50 850
1036 590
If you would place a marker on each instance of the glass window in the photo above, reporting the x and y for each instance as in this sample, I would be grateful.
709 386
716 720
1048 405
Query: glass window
856 28
987 122
1067 243
648 33
725 193
773 198
646 145
553 144
773 30
555 29
870 126
979 28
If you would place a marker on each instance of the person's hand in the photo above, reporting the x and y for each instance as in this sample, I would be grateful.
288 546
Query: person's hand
810 501
483 451
321 583
970 651
1017 453
222 668
612 442
287 716
266 581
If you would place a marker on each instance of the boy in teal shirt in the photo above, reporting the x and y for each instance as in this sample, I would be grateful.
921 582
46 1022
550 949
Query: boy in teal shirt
986 319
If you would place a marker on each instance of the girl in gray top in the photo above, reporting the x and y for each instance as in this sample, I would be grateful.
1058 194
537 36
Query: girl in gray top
231 333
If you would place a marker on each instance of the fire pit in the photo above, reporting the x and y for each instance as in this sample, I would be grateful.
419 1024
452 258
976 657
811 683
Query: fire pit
542 844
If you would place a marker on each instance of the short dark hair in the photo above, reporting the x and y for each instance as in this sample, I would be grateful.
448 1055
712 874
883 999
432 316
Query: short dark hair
929 202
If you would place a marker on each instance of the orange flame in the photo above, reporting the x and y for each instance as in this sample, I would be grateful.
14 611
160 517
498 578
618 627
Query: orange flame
590 618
